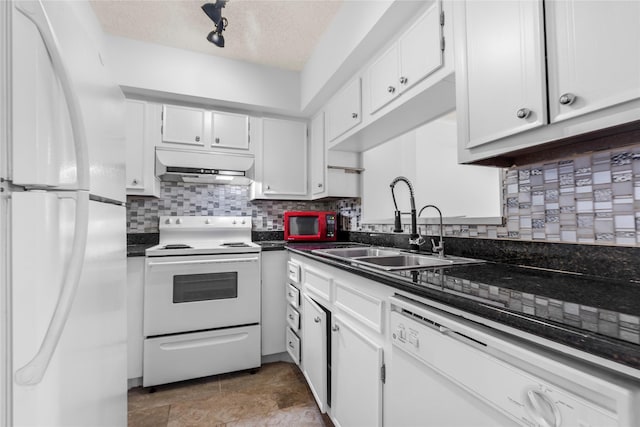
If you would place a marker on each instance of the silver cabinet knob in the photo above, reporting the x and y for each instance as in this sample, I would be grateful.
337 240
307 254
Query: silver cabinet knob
354 115
391 89
217 140
134 182
316 319
319 185
291 316
335 328
197 139
567 99
268 187
403 80
523 113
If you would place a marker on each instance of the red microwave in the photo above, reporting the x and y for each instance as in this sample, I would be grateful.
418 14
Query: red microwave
310 226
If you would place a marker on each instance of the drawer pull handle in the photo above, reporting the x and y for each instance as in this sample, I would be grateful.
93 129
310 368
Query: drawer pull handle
291 344
291 316
317 319
335 328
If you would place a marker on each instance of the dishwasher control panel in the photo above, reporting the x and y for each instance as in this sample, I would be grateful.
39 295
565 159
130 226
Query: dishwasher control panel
470 357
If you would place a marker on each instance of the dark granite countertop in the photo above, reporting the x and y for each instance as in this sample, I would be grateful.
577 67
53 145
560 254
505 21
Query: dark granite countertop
137 243
272 245
597 315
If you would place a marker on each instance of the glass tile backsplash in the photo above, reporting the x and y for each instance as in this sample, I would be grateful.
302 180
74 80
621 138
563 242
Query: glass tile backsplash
592 198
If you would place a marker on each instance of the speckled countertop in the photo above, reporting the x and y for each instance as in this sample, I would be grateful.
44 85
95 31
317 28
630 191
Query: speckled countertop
596 315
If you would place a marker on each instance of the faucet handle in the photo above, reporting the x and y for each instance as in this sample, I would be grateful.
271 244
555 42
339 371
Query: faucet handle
439 247
417 241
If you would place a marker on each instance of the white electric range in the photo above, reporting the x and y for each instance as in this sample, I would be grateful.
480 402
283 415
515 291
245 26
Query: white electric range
201 299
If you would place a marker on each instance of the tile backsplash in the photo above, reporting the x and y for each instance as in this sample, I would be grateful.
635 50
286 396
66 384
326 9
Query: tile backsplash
592 198
218 200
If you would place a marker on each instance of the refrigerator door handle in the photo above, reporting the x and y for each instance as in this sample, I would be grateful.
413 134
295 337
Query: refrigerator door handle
33 372
35 12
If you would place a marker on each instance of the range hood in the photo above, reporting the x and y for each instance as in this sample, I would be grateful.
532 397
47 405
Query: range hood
202 166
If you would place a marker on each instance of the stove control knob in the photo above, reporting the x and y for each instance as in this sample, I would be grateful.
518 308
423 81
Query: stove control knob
243 222
234 222
178 221
207 221
167 221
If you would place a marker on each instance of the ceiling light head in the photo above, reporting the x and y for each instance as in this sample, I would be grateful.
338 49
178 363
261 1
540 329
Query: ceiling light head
216 38
214 12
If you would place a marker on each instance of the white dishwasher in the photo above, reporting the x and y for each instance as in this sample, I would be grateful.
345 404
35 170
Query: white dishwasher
448 371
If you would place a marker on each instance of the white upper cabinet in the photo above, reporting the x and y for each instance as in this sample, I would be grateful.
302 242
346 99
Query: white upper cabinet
281 161
317 157
594 55
344 111
184 125
333 173
230 131
415 55
187 127
503 83
142 130
514 95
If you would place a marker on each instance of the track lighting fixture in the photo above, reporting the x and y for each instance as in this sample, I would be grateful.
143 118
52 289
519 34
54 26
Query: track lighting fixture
214 12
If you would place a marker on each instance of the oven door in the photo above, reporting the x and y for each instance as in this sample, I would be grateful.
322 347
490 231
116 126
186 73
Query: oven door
200 292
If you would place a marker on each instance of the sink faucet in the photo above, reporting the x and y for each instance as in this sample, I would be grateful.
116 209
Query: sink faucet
414 238
439 248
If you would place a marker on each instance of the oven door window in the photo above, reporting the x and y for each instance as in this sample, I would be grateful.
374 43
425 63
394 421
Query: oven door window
205 287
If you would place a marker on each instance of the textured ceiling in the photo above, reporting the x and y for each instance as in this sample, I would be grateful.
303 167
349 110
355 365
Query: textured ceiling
278 33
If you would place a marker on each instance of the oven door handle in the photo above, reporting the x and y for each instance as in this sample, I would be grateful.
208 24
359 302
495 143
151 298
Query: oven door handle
208 261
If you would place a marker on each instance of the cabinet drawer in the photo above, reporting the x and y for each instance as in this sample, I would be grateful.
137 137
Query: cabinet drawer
293 346
318 283
293 272
293 295
293 318
363 307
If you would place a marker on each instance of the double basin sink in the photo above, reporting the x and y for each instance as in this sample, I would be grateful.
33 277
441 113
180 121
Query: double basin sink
390 259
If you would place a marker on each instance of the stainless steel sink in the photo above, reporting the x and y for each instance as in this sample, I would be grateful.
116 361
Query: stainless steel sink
404 262
390 259
348 253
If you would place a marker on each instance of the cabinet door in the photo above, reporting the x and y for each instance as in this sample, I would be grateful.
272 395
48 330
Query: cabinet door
284 158
503 82
142 132
135 137
356 384
344 111
230 131
594 55
184 125
420 48
384 84
317 157
274 306
135 335
314 350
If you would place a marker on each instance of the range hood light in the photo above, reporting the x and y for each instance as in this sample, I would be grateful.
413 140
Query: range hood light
224 178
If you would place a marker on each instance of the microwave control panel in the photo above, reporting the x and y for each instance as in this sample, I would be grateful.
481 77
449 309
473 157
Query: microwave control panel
331 225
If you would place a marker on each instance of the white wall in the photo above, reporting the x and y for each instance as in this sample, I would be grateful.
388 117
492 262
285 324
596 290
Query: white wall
427 156
164 72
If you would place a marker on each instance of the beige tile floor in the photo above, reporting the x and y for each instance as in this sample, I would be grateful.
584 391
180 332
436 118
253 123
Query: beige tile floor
276 395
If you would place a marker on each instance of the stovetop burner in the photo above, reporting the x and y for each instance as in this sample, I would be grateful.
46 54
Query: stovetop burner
177 246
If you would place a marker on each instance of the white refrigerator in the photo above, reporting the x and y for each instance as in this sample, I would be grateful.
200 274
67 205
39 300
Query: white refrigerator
62 220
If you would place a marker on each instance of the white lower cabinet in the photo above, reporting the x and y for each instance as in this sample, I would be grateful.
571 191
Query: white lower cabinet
314 350
274 282
356 376
341 341
135 335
